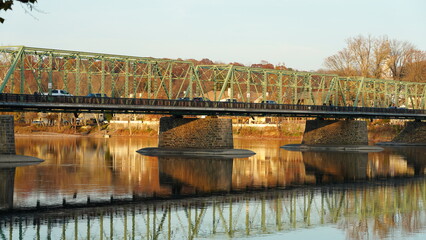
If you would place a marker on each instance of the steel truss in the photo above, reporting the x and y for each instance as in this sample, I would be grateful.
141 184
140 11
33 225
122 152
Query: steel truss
26 70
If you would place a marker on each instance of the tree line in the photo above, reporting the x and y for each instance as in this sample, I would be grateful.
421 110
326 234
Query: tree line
379 57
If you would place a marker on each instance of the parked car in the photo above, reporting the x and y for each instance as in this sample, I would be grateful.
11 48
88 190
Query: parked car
58 92
233 100
184 99
200 99
269 102
96 95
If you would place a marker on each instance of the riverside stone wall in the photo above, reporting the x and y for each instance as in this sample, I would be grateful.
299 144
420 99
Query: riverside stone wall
335 132
199 133
7 136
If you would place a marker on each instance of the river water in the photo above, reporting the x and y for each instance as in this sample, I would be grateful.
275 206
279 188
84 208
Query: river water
102 189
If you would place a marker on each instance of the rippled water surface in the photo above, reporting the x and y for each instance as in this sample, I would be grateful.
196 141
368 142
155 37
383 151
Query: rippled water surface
102 189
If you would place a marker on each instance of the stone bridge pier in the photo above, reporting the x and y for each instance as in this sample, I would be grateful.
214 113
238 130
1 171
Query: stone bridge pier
195 133
335 132
414 133
7 136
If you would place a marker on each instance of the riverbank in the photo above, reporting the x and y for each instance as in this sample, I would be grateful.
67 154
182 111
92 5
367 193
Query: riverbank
380 130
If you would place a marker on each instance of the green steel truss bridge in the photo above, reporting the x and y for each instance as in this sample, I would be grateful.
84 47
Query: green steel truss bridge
26 70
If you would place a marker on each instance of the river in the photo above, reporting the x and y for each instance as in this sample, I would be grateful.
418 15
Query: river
91 188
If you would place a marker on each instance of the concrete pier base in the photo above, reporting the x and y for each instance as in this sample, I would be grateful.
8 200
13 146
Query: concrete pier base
335 132
7 136
195 133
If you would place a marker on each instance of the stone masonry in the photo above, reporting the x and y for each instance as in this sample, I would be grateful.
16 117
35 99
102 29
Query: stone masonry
413 132
335 132
7 136
196 133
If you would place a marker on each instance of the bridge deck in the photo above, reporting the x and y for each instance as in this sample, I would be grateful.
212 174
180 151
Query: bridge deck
42 103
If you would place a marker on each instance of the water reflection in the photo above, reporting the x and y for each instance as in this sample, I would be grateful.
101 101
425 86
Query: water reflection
78 168
250 196
196 175
336 166
363 211
7 177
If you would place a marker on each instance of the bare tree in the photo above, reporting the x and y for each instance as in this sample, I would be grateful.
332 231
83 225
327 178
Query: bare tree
363 56
7 5
415 69
378 58
341 63
399 56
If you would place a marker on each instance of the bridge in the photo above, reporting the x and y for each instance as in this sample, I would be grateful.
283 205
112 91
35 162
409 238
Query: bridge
162 86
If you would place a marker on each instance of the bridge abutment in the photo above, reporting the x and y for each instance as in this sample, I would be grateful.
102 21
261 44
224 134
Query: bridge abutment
335 132
195 133
413 133
7 136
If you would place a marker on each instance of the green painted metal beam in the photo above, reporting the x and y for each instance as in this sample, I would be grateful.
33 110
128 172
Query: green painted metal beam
83 72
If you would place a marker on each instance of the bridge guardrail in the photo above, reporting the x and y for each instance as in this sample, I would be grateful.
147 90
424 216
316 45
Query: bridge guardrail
29 98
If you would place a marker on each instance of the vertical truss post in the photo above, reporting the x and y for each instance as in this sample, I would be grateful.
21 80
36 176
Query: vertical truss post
225 83
135 83
103 76
65 76
264 85
231 84
22 67
77 75
149 79
89 80
50 78
248 89
126 79
294 78
280 88
406 95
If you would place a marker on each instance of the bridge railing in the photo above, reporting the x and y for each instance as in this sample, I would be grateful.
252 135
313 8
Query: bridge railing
29 98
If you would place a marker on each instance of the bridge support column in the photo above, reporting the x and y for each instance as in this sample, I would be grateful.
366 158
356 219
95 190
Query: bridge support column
335 132
7 136
413 133
195 133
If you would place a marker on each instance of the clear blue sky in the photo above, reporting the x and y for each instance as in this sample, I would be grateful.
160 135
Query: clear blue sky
299 33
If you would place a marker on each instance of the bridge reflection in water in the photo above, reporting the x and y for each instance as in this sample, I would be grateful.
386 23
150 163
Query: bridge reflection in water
272 192
359 210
